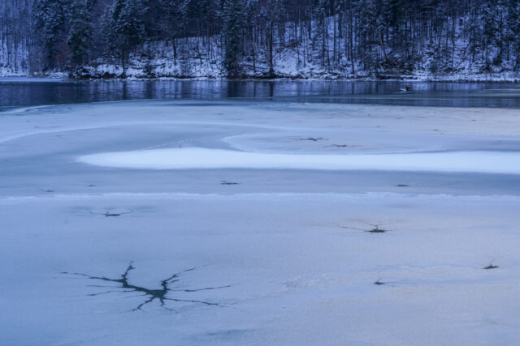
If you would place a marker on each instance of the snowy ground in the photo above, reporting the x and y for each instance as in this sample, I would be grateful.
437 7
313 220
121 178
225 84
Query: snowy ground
31 79
99 253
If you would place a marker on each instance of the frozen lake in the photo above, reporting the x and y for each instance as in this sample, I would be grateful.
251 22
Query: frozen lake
240 222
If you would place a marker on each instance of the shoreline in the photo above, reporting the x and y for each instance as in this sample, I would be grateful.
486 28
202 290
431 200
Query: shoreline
477 78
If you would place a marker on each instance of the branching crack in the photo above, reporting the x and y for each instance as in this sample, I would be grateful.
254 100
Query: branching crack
150 295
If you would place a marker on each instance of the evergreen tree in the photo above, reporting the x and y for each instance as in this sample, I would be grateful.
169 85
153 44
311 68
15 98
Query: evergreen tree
169 22
49 25
321 37
368 31
80 32
125 28
231 32
512 35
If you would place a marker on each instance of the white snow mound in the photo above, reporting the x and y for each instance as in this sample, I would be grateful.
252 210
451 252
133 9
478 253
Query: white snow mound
201 158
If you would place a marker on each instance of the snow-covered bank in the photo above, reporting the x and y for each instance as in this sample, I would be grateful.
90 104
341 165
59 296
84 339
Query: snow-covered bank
23 79
171 71
135 74
118 256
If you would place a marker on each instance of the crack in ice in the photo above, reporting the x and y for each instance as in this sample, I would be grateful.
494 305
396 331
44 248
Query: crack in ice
160 294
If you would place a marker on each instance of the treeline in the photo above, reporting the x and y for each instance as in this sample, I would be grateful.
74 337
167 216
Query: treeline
253 37
15 32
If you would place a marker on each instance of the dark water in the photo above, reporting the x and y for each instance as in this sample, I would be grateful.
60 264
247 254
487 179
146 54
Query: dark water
20 93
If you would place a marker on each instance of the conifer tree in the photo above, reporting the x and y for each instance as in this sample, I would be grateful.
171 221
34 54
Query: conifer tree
231 33
49 24
125 28
80 32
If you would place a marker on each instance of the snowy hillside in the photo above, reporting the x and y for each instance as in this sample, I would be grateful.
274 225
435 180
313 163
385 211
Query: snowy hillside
426 40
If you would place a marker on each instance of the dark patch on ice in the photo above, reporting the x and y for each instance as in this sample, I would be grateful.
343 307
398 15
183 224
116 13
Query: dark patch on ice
224 182
227 336
490 266
110 211
48 190
149 295
379 282
335 145
376 229
113 214
313 139
107 214
402 185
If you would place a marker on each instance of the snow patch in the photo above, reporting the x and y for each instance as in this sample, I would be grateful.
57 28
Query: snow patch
200 158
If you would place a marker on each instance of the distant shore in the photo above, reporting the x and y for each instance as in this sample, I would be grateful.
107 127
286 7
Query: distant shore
509 77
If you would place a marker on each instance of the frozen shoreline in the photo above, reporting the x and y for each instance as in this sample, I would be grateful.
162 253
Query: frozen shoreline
509 77
25 79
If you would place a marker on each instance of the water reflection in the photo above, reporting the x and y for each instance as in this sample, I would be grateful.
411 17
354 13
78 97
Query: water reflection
503 95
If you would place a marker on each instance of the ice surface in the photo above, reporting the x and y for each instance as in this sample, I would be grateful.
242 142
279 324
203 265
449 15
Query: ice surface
257 256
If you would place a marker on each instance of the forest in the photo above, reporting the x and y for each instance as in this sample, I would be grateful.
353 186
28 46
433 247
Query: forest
259 38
